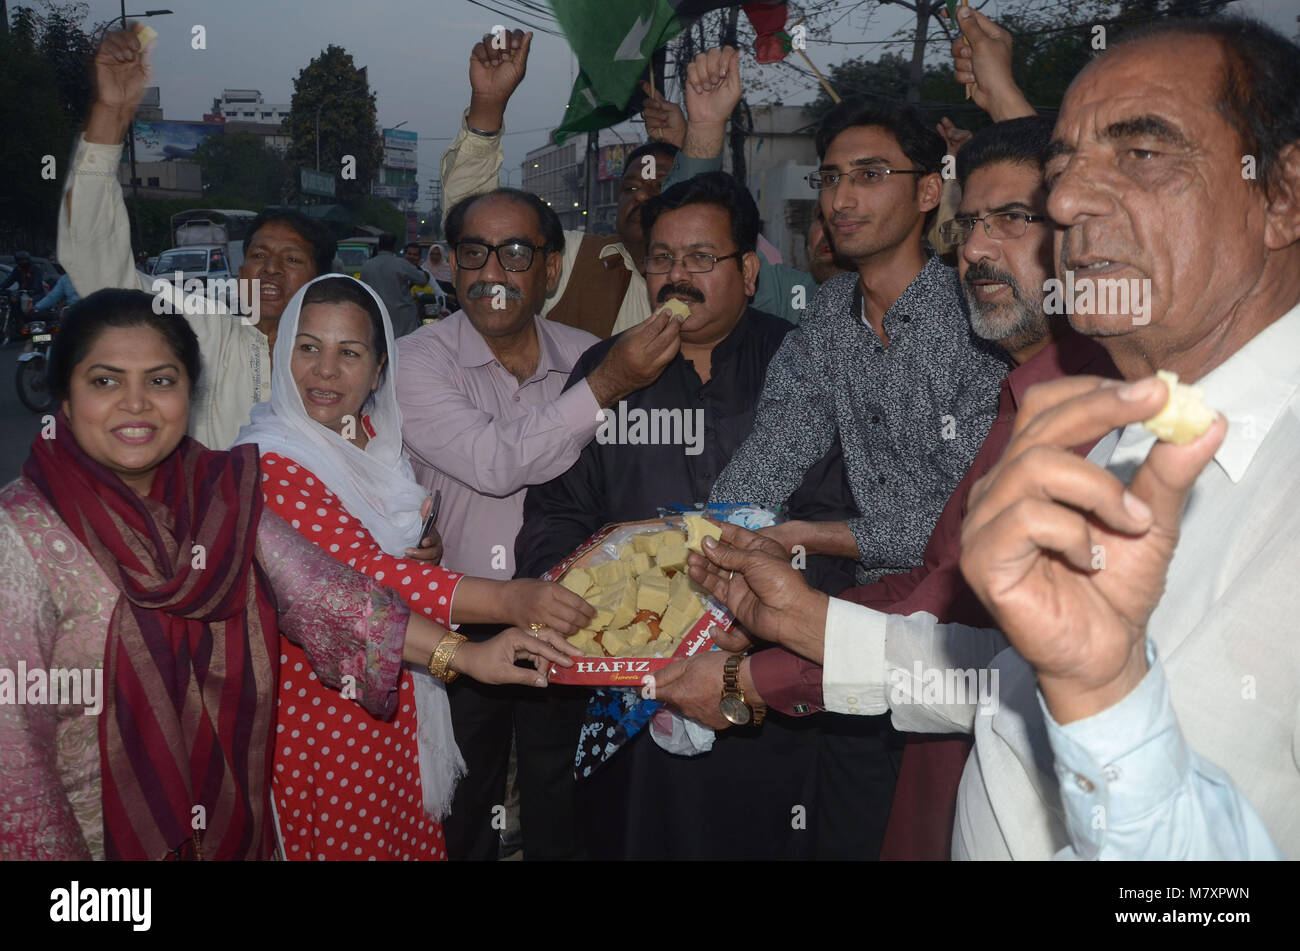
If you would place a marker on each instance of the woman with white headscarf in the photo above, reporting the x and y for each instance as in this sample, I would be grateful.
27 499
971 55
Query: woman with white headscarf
344 783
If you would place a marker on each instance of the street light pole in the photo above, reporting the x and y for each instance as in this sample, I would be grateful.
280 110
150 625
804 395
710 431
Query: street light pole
130 133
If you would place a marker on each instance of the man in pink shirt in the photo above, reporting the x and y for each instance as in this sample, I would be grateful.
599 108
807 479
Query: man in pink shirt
484 418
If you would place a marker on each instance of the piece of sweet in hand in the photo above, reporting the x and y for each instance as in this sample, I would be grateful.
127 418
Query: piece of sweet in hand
1185 415
678 308
697 529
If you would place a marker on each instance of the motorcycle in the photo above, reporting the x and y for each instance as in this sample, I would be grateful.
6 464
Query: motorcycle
32 378
16 309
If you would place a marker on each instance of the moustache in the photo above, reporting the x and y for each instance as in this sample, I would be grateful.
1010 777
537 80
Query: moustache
480 289
688 291
983 271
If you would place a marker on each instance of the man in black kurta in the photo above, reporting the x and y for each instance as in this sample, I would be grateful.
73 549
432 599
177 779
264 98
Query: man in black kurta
737 801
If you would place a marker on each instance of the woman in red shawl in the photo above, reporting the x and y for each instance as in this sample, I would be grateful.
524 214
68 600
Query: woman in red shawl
142 569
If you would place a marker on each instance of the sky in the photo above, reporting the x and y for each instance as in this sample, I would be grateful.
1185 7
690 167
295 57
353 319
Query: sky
417 54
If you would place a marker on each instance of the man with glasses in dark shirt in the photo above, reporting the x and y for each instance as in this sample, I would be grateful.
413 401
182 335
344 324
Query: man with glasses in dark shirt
885 361
645 803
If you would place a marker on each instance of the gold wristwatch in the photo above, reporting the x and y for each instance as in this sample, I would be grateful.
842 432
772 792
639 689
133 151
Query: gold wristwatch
733 704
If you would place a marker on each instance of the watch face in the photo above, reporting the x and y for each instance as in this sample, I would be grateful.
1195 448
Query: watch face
736 711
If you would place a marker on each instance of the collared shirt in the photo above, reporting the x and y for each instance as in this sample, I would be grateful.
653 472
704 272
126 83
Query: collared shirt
666 444
909 416
392 278
1202 759
871 653
95 250
481 437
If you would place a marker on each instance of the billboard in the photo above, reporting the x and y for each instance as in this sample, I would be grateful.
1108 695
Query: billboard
166 141
312 182
610 163
397 192
400 148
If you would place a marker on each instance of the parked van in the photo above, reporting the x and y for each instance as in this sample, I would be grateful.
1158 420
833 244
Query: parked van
353 253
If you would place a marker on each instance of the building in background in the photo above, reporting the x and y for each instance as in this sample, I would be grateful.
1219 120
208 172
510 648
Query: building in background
780 152
163 152
609 179
246 105
150 108
554 173
274 137
396 180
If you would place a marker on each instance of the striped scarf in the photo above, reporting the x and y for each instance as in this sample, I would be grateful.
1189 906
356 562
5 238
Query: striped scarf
191 656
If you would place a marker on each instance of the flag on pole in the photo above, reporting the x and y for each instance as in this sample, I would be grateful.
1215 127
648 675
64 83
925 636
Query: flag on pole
614 43
772 43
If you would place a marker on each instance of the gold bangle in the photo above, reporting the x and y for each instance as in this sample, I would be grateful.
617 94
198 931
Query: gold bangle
440 659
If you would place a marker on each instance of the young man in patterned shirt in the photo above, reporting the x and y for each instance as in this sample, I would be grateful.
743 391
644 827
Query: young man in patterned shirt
884 361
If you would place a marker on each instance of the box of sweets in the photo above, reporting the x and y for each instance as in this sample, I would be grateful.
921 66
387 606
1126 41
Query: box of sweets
649 613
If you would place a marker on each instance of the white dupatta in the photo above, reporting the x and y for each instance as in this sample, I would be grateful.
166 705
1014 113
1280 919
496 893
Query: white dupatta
377 486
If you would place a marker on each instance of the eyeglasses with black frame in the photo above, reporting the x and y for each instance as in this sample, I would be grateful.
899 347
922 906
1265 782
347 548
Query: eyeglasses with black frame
513 255
999 225
859 175
696 262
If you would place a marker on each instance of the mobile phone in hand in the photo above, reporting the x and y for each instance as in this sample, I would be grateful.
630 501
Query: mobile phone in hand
433 517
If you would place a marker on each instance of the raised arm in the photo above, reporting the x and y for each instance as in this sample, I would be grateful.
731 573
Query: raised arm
94 231
472 162
713 89
984 60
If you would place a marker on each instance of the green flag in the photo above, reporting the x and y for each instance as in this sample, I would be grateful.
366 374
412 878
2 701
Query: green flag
613 43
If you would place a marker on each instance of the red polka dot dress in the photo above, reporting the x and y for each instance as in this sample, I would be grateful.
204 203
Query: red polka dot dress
345 784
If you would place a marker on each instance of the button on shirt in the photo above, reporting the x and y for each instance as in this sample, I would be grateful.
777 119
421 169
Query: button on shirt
480 436
909 416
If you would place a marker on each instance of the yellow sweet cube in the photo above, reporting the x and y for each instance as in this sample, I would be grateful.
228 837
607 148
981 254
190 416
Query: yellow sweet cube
577 581
661 647
585 640
652 593
639 634
672 554
615 642
609 573
675 623
627 607
697 529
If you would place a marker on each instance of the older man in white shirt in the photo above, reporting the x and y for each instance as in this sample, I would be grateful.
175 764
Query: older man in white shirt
1149 705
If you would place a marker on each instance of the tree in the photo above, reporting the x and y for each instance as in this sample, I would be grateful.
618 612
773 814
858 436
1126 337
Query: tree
44 95
332 87
239 165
